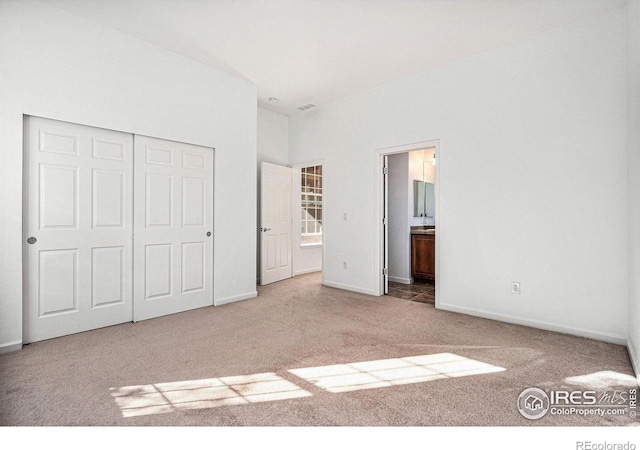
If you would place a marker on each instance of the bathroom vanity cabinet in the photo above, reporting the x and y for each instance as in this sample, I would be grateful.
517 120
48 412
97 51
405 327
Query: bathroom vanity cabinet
423 255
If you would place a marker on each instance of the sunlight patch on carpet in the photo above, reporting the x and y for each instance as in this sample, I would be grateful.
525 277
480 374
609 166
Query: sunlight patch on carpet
393 372
178 396
603 380
207 393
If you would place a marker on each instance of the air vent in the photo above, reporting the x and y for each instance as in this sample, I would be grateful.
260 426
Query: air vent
305 107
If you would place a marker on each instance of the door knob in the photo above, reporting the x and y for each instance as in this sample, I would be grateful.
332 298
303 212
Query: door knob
32 240
265 229
208 233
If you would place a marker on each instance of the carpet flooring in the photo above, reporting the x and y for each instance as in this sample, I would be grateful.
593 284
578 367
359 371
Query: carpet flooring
303 354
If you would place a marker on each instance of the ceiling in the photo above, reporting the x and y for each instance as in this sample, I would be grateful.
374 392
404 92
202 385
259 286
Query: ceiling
317 51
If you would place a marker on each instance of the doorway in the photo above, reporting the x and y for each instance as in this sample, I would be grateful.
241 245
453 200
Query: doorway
291 220
408 209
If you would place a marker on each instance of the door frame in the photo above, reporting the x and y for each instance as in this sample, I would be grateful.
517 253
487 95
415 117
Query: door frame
380 201
295 206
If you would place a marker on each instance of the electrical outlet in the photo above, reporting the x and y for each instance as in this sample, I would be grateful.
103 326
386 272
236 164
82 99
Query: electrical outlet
344 264
515 287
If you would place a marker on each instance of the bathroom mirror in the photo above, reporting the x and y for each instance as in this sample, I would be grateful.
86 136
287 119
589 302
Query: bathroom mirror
423 199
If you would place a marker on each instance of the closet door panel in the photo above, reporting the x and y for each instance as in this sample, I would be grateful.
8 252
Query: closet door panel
78 227
173 248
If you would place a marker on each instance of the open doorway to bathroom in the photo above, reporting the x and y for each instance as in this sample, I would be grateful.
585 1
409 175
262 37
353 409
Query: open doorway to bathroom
409 239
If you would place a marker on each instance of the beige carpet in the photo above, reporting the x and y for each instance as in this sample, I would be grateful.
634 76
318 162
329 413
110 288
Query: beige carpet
305 354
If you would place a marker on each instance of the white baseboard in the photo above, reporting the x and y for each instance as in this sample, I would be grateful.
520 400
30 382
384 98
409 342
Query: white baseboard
10 347
599 336
633 356
235 298
347 287
305 271
401 280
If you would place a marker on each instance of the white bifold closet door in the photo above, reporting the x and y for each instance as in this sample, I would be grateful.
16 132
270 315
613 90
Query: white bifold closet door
78 228
173 226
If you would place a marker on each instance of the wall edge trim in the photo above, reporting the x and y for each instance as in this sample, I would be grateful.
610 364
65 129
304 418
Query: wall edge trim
235 298
547 326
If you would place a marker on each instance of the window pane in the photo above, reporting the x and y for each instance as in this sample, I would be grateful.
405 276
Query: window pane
311 202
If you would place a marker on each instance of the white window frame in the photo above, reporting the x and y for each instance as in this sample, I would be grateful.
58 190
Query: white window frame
317 193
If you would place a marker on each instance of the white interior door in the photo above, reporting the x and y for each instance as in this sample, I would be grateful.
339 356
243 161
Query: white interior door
173 226
275 219
78 223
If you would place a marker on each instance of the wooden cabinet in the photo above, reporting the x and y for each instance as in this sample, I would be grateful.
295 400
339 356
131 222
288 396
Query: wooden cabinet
423 256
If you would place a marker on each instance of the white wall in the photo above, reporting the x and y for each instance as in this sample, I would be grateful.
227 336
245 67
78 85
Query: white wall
400 206
56 65
531 176
273 137
633 118
306 259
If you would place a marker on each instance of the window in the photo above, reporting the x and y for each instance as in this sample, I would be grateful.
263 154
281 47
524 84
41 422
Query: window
311 200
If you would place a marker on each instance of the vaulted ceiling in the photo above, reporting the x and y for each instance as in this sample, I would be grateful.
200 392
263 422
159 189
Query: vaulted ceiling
316 51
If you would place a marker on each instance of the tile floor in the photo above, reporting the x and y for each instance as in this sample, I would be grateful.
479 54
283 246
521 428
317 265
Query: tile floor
423 291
